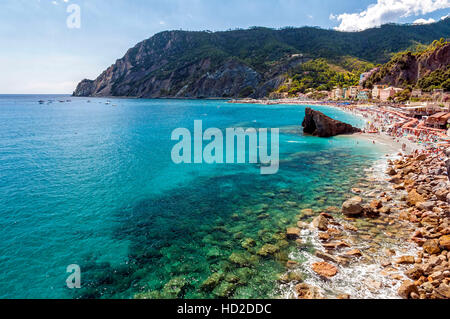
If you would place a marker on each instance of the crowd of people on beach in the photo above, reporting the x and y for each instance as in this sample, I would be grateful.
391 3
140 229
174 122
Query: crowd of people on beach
402 127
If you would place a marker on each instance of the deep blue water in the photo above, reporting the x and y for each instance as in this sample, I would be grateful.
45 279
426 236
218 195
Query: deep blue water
93 184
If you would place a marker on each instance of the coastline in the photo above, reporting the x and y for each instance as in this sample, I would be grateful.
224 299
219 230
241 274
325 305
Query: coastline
395 202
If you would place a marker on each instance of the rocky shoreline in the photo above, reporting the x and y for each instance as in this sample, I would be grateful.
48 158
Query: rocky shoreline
392 234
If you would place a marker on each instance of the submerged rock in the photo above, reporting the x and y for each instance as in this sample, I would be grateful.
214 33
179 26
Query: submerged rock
267 250
318 124
212 281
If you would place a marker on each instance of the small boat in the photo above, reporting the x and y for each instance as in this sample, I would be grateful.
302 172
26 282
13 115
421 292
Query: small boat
41 102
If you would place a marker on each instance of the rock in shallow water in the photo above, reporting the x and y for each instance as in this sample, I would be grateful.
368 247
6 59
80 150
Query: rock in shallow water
352 207
324 269
318 124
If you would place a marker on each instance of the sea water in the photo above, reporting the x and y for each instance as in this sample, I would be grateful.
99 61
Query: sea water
90 181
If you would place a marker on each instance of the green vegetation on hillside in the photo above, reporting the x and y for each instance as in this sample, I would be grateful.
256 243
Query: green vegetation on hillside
320 74
438 79
259 47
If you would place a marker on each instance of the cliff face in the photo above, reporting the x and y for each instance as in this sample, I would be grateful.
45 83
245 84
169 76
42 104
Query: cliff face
158 67
411 68
241 63
318 124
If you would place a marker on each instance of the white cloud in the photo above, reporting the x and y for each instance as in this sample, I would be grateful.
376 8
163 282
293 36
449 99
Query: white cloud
424 21
385 11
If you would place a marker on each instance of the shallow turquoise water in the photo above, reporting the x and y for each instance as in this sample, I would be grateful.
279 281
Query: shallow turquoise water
93 184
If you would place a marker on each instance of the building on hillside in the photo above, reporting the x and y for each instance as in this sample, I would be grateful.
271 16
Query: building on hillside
364 95
337 93
353 92
376 91
346 93
389 93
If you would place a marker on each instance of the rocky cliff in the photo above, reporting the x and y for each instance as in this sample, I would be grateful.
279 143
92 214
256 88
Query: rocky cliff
240 63
426 69
318 124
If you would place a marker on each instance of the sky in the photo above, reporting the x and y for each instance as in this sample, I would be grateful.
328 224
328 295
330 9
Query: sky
48 46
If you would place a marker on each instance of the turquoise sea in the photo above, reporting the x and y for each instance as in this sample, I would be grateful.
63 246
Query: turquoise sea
92 183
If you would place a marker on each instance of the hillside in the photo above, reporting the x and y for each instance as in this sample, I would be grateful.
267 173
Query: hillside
427 69
245 63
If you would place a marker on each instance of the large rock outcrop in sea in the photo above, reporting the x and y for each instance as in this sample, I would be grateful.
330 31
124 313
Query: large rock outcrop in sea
318 124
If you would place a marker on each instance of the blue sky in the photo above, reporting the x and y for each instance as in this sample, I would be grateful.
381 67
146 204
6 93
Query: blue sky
40 54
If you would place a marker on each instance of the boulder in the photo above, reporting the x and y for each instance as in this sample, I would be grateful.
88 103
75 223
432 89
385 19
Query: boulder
444 242
324 269
441 194
326 257
391 171
405 260
320 222
414 198
352 207
443 291
318 124
432 246
376 204
407 288
426 205
353 253
414 273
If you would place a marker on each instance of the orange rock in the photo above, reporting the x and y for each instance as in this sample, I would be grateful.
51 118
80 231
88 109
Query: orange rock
444 242
405 260
350 227
414 198
407 288
324 269
324 236
432 246
353 253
